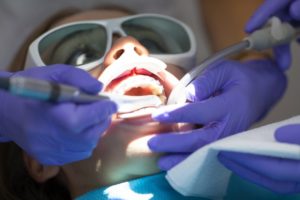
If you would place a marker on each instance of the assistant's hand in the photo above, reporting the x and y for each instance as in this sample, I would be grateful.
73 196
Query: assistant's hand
286 10
225 99
277 174
55 134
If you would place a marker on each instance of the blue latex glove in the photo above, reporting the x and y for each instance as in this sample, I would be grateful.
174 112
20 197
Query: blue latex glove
227 98
287 10
55 134
277 174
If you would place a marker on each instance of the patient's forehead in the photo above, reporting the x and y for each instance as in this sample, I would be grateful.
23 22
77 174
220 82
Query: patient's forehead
92 15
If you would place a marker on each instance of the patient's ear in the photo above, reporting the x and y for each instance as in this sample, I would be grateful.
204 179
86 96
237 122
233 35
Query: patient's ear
39 172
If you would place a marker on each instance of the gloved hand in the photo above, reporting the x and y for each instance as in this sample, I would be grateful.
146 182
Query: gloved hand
227 98
286 10
55 134
277 174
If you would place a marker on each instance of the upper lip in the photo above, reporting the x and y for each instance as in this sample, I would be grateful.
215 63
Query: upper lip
118 68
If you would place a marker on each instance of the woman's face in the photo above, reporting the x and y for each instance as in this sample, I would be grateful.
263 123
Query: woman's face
122 153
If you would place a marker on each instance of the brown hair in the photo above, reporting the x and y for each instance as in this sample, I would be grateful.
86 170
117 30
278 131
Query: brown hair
16 183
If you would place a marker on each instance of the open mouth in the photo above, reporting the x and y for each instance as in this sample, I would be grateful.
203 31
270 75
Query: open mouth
145 76
138 82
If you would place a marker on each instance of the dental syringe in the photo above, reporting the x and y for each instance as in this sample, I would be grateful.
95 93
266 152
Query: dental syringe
276 33
54 92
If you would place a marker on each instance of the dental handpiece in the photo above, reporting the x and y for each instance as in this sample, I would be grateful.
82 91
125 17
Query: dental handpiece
53 92
277 33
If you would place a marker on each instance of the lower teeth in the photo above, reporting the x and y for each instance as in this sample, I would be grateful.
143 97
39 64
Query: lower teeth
140 85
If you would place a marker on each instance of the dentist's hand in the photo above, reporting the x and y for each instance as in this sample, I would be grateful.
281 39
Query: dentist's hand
227 98
278 175
286 10
55 134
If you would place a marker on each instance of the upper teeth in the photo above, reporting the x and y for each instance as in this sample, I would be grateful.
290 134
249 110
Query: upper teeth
139 81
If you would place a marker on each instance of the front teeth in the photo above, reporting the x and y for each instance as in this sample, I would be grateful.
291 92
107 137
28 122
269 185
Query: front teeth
139 81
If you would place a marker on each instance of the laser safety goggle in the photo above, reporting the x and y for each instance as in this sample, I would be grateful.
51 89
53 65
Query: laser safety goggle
85 43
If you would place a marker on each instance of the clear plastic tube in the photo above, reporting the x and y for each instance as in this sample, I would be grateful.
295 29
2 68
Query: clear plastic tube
177 94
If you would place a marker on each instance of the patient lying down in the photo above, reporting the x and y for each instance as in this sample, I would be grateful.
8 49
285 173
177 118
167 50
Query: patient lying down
121 154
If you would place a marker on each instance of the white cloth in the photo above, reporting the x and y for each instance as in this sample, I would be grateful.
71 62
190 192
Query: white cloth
201 174
18 18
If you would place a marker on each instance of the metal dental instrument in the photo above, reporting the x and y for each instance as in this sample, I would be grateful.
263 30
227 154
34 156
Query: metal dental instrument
275 34
53 92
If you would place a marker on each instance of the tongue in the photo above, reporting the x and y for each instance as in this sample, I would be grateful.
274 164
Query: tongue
139 91
136 85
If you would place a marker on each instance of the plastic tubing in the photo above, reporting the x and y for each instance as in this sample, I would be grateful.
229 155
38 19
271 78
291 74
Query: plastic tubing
177 95
273 34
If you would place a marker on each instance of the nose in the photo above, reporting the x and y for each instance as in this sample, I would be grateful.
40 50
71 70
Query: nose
118 49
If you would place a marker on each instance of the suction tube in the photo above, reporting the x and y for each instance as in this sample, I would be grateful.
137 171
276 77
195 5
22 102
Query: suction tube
177 94
273 34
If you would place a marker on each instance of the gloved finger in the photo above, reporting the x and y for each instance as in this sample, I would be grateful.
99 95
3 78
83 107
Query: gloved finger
4 139
289 134
87 140
169 161
264 12
203 112
283 187
283 56
183 142
96 112
294 10
274 168
50 72
81 79
209 83
64 74
74 148
76 118
5 74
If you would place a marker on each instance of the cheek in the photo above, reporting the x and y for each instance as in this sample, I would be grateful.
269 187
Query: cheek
176 71
128 138
170 79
